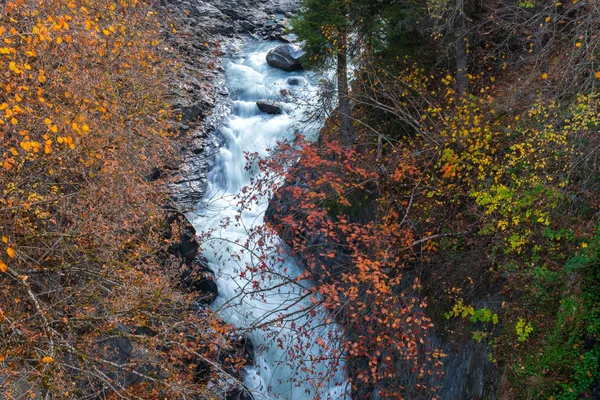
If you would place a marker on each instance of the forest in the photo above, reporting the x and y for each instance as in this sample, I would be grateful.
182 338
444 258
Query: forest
439 238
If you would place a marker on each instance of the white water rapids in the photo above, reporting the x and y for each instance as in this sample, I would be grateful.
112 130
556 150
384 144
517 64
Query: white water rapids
274 375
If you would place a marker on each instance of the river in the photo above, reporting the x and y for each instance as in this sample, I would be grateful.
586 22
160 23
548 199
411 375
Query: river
311 372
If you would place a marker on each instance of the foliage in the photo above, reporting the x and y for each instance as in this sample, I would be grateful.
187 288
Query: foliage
480 315
83 122
358 266
523 330
318 24
565 363
502 186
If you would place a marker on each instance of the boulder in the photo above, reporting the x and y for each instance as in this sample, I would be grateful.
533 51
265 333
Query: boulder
286 57
269 107
202 283
155 174
295 81
188 246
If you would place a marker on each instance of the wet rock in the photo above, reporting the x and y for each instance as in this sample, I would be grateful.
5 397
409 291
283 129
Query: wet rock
286 57
295 81
223 91
285 38
269 107
197 147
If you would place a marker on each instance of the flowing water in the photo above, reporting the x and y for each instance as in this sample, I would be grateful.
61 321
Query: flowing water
274 374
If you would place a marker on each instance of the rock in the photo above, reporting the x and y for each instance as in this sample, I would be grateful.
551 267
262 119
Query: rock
155 174
239 394
249 26
286 57
122 353
269 107
223 91
285 92
202 283
285 38
295 81
245 346
201 264
143 331
188 247
197 147
189 113
202 371
116 349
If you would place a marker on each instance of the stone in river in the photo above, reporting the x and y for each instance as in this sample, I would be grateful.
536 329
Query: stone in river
286 57
269 107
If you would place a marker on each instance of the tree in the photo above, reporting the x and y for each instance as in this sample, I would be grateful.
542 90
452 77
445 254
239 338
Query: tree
388 29
325 28
451 19
88 297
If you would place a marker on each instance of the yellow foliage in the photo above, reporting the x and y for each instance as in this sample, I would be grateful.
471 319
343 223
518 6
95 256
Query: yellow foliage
11 252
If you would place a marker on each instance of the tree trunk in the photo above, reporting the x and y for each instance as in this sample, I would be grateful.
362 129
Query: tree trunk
462 82
344 108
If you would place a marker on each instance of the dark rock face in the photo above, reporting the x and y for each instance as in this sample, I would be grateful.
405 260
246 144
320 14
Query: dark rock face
269 107
202 283
202 371
155 174
196 275
239 394
286 57
122 353
188 247
467 371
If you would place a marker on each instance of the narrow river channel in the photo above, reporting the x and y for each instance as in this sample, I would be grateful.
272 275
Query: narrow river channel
275 375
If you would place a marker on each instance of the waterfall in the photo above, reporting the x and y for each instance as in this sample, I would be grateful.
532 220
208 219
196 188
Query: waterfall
274 375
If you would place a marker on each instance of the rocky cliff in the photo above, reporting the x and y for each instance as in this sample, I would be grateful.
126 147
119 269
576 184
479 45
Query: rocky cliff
205 33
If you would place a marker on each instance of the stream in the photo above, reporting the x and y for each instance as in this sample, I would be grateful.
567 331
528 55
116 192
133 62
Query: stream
275 374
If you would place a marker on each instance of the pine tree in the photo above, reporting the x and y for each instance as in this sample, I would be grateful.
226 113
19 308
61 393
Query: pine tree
324 26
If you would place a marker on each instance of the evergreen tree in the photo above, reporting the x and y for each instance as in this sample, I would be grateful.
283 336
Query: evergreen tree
324 26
